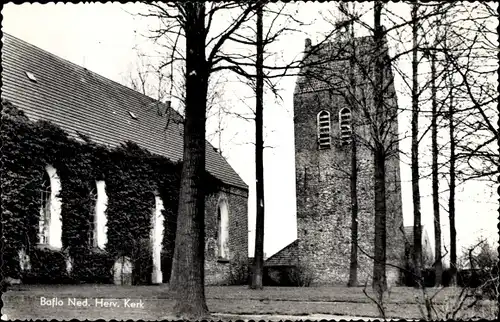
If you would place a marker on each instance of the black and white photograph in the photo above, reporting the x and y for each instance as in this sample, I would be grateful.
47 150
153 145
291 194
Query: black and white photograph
250 160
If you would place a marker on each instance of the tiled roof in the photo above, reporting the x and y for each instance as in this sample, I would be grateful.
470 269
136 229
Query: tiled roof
287 256
81 101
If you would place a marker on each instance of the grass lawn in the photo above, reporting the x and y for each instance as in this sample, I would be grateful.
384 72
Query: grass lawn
231 302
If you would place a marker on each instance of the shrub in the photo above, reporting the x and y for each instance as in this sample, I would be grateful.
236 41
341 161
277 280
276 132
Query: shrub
428 275
47 267
142 262
490 285
239 270
277 276
464 304
10 263
95 267
300 275
166 265
273 276
484 281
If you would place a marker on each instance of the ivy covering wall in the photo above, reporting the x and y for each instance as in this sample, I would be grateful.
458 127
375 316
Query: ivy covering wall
132 176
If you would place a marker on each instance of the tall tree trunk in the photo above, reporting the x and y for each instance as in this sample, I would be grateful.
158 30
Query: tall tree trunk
417 225
451 199
258 266
189 255
379 278
353 269
435 180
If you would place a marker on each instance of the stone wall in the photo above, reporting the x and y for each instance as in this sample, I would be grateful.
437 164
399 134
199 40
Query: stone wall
218 270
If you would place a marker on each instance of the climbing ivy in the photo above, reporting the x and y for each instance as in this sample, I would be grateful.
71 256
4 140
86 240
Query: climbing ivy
132 176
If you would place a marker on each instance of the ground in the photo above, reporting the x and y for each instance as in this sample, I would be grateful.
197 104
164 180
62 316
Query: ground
225 302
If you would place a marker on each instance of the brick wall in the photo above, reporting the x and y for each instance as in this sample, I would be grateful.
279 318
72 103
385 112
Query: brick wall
285 257
218 271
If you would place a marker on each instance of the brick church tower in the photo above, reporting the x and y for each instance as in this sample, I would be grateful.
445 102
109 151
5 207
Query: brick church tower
332 100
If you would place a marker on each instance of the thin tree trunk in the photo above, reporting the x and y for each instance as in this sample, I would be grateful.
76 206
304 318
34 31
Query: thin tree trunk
379 278
417 225
258 266
451 200
189 255
353 269
435 180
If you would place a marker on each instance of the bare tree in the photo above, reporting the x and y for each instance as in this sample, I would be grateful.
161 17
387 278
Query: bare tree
193 21
435 178
467 57
476 69
378 133
241 63
258 266
417 225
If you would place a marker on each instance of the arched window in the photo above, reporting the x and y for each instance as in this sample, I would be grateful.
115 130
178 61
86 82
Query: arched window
157 232
44 219
50 224
324 137
92 222
345 119
222 229
100 223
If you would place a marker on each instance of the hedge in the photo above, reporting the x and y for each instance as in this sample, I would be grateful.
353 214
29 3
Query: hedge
478 278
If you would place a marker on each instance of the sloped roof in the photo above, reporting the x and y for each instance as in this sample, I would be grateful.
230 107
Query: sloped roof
287 256
409 234
81 101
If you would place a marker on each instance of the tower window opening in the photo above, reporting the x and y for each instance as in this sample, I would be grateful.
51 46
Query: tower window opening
345 120
324 138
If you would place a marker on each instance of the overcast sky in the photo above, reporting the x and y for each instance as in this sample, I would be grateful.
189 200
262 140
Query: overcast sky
102 38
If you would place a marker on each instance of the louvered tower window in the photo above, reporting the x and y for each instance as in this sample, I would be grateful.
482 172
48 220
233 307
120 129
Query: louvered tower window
324 138
345 119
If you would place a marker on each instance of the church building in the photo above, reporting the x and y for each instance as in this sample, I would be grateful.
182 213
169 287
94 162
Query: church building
92 169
